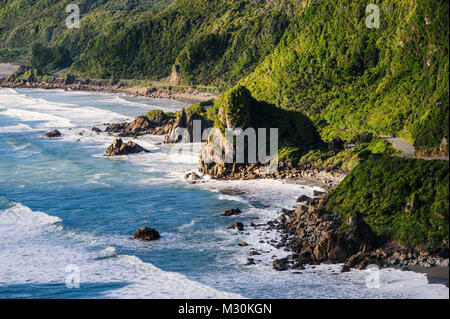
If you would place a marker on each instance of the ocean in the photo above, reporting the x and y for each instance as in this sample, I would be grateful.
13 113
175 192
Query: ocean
65 209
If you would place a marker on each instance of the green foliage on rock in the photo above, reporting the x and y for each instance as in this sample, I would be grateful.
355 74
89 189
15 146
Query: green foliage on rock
401 199
159 116
238 109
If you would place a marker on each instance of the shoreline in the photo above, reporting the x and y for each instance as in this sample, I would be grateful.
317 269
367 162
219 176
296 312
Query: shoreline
188 95
437 274
327 178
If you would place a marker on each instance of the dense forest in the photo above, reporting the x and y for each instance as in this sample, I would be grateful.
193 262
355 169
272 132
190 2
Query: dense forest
401 199
317 57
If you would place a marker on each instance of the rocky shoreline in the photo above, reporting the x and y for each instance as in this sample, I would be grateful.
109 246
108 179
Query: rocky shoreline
327 177
313 236
190 95
309 232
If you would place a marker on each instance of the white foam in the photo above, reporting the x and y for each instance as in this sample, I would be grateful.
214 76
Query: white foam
16 128
55 115
45 261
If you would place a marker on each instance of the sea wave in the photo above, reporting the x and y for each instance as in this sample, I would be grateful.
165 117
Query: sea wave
34 249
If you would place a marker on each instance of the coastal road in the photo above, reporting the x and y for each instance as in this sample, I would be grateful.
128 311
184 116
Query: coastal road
406 149
7 69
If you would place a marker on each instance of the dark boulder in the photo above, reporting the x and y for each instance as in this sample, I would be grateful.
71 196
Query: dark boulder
303 198
239 226
146 233
281 264
231 212
96 130
118 147
192 176
52 134
318 193
345 268
250 261
254 253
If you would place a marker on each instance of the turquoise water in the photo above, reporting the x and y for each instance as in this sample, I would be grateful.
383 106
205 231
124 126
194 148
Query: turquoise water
64 204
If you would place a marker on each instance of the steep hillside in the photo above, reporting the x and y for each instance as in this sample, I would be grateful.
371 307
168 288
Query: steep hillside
317 57
212 42
347 77
402 199
25 22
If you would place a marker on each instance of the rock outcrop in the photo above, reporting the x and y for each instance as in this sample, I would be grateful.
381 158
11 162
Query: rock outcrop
329 177
140 126
175 77
96 130
281 264
118 147
316 236
192 176
238 226
146 233
183 128
303 198
232 212
53 134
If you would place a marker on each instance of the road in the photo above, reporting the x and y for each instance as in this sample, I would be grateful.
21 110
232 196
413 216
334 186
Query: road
406 149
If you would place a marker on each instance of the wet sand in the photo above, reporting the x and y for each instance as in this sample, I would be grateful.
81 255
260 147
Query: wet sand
436 275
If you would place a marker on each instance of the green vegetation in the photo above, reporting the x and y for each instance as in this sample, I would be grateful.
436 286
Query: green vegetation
49 60
402 199
315 57
24 23
312 69
159 116
347 77
349 158
213 42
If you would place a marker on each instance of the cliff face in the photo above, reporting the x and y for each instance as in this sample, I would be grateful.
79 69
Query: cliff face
237 109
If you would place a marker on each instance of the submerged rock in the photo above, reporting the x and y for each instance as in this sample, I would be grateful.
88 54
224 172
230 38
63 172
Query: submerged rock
281 264
96 130
146 233
52 134
239 226
118 147
231 212
192 176
303 198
